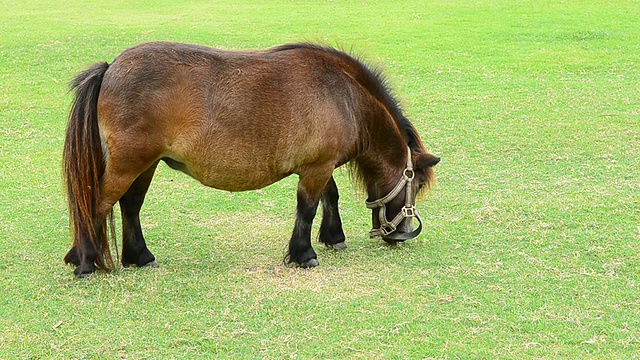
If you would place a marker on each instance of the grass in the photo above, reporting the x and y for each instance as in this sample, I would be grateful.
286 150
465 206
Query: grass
531 243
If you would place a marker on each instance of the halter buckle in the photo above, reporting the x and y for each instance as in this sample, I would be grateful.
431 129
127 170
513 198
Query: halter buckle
387 229
409 211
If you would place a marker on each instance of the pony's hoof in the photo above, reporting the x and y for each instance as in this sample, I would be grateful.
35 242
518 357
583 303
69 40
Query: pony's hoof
151 264
84 271
310 263
83 274
339 246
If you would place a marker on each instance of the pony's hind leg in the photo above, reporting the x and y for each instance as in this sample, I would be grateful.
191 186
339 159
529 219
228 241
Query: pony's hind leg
114 184
331 233
90 250
72 256
134 247
84 255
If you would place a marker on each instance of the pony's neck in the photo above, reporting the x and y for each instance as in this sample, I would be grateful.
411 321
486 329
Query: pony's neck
385 157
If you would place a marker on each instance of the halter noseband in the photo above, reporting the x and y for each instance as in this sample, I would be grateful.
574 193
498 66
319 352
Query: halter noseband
387 228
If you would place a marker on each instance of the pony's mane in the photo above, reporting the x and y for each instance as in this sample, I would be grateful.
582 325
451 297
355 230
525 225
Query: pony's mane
372 79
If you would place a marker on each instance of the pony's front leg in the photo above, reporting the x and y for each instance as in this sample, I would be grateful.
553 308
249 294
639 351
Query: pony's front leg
331 233
300 250
310 187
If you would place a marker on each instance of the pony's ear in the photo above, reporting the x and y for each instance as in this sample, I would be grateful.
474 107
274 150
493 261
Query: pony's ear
427 161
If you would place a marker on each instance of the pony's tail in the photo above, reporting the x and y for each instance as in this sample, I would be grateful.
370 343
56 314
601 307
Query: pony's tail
83 166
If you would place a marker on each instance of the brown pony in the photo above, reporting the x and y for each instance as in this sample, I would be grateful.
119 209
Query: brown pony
236 120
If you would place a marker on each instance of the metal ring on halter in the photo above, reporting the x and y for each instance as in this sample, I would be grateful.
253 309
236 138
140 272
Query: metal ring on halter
413 173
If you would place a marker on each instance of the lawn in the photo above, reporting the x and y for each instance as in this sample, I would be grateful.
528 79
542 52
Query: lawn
531 246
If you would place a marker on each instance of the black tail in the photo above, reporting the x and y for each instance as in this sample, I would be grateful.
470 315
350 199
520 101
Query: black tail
84 165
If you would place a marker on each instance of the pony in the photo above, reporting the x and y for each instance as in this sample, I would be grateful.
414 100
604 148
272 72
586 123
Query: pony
236 121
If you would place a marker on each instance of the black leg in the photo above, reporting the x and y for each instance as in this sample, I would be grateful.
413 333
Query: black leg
134 247
72 257
84 259
84 255
300 250
331 233
310 187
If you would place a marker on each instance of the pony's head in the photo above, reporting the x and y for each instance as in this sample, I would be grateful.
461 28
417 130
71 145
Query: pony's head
393 162
393 213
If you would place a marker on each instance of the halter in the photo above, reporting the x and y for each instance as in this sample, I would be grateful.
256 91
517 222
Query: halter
387 228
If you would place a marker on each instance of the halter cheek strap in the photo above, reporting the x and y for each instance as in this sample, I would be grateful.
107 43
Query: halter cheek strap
387 228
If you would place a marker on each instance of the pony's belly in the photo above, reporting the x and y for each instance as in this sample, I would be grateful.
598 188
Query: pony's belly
232 183
229 178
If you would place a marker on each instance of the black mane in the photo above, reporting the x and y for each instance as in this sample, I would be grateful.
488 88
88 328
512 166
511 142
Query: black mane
373 79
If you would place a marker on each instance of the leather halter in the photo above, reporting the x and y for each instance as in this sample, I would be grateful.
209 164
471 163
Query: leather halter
387 228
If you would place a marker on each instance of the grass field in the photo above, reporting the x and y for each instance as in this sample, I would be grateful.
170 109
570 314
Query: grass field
531 247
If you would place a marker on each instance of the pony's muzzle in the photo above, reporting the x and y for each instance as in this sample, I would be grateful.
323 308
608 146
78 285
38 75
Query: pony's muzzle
405 231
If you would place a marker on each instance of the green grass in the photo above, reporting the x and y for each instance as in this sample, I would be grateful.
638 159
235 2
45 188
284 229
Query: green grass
531 242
